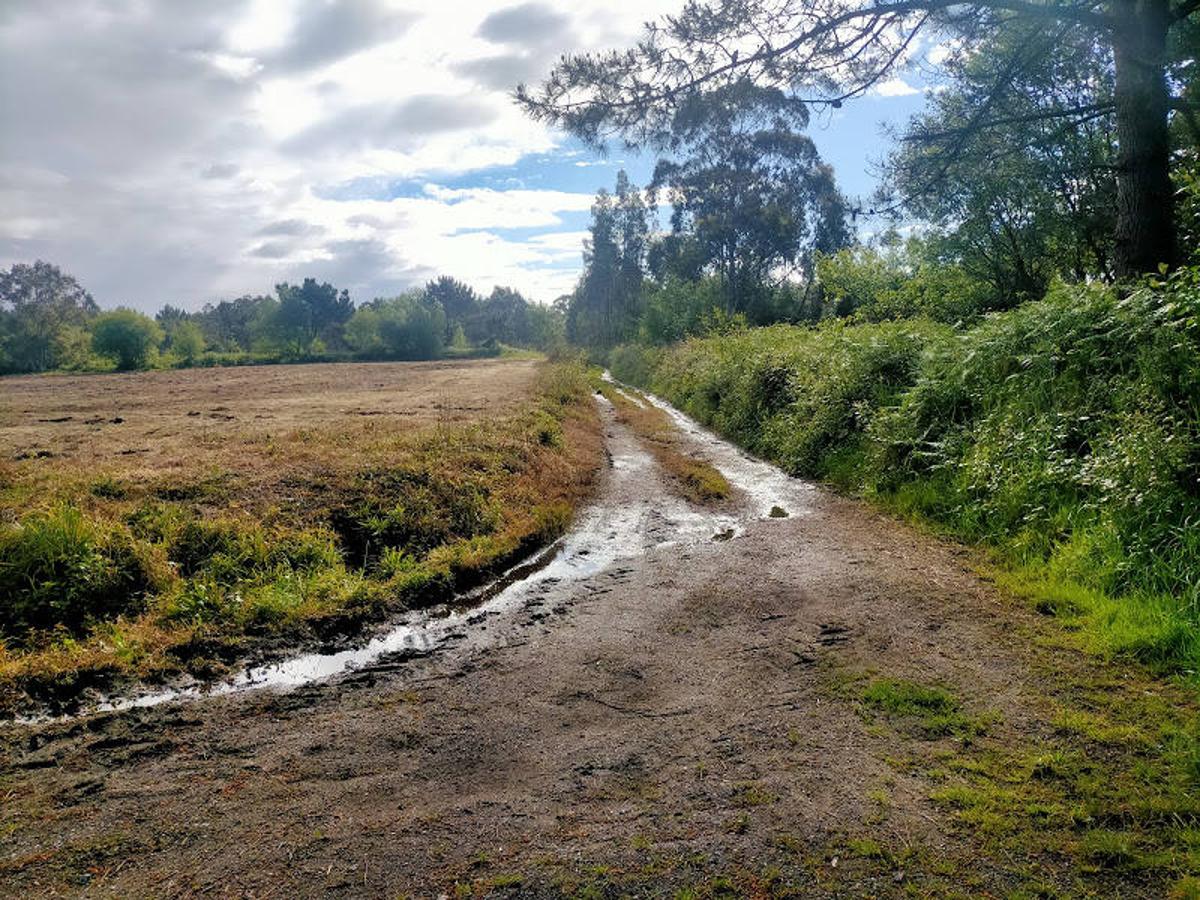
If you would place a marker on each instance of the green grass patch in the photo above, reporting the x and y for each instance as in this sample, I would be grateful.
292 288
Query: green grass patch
697 478
933 711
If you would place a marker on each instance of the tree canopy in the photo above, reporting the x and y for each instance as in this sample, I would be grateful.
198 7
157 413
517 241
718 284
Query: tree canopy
827 52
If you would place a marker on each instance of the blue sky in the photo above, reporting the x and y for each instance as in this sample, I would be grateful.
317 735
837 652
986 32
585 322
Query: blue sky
181 153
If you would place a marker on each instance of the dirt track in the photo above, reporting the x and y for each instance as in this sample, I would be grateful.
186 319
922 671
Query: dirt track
670 703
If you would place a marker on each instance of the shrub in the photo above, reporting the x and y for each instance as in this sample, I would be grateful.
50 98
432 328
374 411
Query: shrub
875 286
405 327
126 337
187 343
1065 431
58 569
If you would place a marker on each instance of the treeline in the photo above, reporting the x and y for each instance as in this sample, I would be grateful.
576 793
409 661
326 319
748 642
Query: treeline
639 286
643 287
48 321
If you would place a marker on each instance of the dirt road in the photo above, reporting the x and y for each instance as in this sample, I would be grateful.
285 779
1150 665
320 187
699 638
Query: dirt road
674 703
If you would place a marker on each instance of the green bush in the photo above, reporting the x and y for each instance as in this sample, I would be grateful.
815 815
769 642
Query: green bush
127 337
187 343
786 392
59 569
1065 432
875 286
404 327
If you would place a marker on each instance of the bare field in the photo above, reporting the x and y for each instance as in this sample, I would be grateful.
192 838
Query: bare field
149 426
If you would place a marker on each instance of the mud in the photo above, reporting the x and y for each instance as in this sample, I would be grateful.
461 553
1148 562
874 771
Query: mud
660 698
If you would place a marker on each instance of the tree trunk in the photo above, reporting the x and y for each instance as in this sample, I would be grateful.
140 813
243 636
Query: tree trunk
1145 231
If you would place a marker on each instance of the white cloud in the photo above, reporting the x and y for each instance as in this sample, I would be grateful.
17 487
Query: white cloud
943 50
895 87
167 152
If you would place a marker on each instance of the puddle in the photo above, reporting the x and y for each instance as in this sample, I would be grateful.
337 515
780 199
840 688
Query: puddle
633 516
774 493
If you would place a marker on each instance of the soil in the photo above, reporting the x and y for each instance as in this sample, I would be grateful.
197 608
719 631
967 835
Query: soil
670 703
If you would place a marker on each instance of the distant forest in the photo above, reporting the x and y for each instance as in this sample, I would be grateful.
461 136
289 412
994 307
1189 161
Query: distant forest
48 321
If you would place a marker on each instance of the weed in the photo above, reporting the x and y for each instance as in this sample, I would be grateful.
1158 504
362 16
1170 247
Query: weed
751 793
108 488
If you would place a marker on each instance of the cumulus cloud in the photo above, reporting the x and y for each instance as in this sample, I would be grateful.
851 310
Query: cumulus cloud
271 250
291 227
504 71
401 124
895 87
528 23
169 152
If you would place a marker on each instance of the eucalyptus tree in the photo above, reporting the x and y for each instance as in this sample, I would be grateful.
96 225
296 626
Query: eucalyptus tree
604 308
748 188
831 51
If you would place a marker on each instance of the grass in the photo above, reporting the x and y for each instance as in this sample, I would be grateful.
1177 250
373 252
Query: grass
1095 791
933 711
105 585
697 479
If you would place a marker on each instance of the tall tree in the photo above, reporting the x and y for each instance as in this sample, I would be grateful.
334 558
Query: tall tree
830 51
40 300
748 187
592 317
309 311
458 300
633 239
1022 198
230 324
504 316
605 306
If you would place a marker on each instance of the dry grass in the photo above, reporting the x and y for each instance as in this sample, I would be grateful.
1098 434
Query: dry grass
299 516
239 434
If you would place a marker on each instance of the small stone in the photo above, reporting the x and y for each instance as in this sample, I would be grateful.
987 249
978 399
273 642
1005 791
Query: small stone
778 512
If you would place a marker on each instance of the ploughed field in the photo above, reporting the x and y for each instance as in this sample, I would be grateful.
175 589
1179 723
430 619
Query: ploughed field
164 523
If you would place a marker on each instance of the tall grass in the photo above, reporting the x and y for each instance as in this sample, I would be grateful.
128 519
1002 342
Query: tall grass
59 570
1065 433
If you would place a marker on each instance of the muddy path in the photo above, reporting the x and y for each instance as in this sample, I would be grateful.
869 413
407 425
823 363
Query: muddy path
668 701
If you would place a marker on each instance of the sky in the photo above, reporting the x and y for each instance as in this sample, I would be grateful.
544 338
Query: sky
171 151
